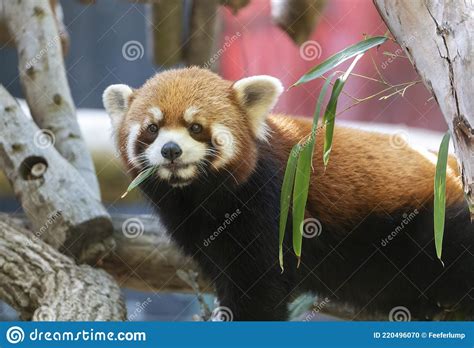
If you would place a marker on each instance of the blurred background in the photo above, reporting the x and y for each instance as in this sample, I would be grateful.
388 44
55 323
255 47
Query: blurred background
115 41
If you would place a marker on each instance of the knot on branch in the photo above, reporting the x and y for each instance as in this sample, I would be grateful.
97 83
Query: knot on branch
33 168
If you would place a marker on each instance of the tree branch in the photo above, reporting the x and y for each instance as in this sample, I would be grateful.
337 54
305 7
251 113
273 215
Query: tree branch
144 257
43 77
44 285
437 37
61 207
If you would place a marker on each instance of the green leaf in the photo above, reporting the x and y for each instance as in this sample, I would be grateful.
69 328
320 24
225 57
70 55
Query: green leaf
329 119
440 194
300 195
285 197
340 57
303 173
317 111
300 162
139 179
330 114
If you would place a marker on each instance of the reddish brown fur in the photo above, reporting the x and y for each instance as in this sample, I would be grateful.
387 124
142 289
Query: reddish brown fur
365 173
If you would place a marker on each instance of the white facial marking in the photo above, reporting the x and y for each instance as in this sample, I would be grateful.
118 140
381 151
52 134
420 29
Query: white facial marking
193 150
164 173
189 113
131 142
187 173
156 113
223 140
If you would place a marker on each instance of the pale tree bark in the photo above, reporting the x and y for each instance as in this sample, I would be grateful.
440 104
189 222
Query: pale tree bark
61 207
7 39
143 257
43 78
45 285
437 36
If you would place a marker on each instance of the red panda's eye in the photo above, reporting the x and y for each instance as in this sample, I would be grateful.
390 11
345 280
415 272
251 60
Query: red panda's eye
196 128
152 128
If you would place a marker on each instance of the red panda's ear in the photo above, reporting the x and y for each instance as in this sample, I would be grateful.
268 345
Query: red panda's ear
116 100
258 95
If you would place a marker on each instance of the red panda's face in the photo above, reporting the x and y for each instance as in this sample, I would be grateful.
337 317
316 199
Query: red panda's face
189 122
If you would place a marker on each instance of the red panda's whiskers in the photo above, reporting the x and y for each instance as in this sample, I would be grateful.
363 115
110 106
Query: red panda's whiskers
230 173
139 160
141 142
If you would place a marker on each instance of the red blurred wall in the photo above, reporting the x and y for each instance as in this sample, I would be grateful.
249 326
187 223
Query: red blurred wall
263 48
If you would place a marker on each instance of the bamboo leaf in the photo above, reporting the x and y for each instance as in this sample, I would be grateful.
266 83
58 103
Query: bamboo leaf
285 198
299 169
303 171
329 119
303 167
440 194
330 114
300 195
340 57
139 179
317 111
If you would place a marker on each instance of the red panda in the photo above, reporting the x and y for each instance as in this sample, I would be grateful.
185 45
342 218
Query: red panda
220 159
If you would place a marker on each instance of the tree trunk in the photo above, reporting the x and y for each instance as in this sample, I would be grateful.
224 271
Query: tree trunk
44 285
437 37
166 23
202 33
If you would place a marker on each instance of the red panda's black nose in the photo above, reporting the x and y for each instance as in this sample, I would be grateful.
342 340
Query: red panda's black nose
171 150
